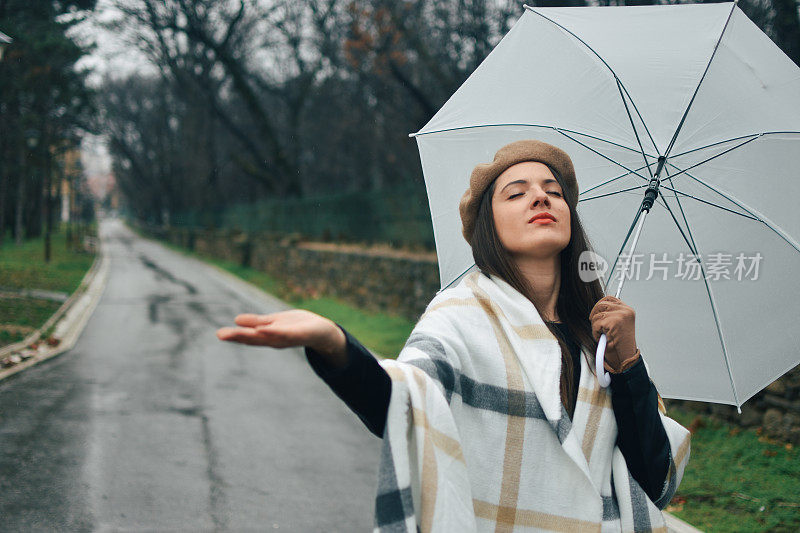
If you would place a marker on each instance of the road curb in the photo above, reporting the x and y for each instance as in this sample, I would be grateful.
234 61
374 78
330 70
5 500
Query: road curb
675 524
69 320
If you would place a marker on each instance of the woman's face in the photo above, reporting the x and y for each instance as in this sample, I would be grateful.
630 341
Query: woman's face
521 192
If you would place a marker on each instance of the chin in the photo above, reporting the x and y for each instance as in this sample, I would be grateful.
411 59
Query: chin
537 252
539 249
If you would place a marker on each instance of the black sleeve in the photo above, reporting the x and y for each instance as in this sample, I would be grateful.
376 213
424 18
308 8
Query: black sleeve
362 383
642 438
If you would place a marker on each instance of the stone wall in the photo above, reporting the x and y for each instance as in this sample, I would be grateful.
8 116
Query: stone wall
776 409
403 283
377 279
378 282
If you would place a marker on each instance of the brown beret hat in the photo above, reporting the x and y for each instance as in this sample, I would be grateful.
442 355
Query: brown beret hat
511 154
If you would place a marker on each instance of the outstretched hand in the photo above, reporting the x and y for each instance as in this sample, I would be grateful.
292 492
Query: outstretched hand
285 329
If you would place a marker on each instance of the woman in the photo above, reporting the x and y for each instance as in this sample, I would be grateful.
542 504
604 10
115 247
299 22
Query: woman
491 419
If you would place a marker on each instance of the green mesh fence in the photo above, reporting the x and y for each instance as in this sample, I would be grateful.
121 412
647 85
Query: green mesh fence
398 216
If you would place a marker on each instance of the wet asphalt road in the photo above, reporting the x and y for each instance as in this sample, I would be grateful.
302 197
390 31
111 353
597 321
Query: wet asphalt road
152 424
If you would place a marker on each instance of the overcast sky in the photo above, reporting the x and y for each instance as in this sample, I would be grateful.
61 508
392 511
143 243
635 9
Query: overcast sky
114 55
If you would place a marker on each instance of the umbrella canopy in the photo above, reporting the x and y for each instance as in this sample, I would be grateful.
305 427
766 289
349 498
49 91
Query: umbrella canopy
617 88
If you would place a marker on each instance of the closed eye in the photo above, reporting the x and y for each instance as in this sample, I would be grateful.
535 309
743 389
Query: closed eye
558 194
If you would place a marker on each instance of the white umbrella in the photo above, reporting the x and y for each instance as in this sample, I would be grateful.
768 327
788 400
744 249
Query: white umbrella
700 98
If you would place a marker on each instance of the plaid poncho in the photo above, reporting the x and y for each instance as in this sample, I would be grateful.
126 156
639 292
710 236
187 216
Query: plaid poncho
477 439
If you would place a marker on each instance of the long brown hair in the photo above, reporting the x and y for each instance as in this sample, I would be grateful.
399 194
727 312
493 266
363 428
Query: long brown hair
575 298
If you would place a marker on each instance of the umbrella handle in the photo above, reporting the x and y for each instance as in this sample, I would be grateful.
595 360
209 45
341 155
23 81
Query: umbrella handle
602 376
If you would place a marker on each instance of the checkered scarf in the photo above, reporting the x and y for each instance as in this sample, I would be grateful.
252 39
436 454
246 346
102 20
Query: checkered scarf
477 439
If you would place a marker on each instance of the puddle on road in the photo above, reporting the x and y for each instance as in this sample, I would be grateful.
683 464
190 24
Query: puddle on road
163 274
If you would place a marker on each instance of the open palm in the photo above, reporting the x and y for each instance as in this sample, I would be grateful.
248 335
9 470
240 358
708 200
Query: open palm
285 329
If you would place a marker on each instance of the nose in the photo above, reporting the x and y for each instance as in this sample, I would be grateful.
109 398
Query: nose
540 198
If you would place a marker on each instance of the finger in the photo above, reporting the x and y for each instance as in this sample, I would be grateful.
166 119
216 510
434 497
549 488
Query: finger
225 333
250 320
602 305
604 324
600 315
610 301
597 329
617 304
270 330
242 336
596 310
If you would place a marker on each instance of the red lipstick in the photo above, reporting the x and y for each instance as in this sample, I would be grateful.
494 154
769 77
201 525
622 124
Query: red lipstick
542 218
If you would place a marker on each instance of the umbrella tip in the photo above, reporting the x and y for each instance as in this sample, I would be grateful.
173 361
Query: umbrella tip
739 409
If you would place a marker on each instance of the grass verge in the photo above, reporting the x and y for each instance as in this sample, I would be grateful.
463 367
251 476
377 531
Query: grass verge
26 313
737 480
23 267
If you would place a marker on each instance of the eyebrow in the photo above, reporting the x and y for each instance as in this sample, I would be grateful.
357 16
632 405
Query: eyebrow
545 182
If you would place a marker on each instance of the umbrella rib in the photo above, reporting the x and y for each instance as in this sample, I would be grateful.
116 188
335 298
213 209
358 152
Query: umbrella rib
638 114
776 229
608 181
502 124
691 245
734 139
636 133
714 312
456 278
682 171
612 193
711 203
622 85
561 131
697 89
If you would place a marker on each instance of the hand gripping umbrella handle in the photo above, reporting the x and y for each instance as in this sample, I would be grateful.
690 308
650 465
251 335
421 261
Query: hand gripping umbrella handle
602 376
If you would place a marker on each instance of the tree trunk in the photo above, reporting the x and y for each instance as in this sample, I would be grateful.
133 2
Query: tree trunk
787 27
3 192
48 208
20 199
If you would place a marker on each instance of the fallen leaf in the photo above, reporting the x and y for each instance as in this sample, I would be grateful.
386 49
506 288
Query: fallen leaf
696 424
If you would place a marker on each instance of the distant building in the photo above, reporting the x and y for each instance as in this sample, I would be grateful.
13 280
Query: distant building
72 171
